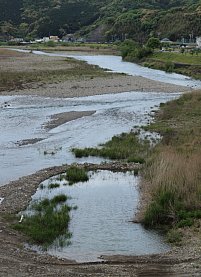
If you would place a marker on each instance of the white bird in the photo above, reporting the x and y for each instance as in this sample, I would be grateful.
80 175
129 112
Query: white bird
21 218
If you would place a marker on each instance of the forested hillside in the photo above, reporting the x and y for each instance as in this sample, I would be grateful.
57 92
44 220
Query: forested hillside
118 19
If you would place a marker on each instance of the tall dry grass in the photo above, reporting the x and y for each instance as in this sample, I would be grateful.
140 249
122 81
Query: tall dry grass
177 173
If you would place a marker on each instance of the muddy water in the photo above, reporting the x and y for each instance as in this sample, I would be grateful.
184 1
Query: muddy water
102 223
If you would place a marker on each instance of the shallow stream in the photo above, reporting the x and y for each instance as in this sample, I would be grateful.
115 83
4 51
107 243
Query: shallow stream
107 203
102 223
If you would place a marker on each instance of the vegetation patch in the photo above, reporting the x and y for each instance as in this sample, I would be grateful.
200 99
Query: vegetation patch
48 221
123 147
173 168
53 185
174 236
75 174
149 55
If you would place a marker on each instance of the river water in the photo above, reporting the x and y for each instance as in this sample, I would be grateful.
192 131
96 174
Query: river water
115 113
101 224
108 194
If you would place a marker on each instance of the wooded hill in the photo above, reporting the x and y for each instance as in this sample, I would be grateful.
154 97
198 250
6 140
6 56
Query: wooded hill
116 20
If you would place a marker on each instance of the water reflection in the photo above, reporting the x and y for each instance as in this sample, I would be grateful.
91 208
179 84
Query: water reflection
102 223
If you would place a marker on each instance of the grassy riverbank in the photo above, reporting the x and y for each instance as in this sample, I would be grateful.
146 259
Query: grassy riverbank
181 61
172 173
185 63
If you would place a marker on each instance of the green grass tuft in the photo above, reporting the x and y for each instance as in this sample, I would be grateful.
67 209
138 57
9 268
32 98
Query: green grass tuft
48 221
123 147
75 174
53 185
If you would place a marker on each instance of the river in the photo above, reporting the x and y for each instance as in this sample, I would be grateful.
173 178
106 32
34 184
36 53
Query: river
115 113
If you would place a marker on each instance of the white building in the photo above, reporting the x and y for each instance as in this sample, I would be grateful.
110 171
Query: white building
198 42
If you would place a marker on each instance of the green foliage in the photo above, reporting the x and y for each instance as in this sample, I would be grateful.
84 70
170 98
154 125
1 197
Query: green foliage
48 221
153 43
125 146
75 174
49 43
160 210
132 51
117 19
59 199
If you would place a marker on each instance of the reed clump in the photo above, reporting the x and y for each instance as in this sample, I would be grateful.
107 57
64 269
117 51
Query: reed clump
173 170
175 188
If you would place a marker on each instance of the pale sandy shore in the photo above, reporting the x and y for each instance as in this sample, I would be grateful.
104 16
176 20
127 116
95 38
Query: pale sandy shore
116 83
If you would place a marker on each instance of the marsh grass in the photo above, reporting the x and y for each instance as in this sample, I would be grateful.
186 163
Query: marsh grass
48 221
126 146
173 170
75 174
53 185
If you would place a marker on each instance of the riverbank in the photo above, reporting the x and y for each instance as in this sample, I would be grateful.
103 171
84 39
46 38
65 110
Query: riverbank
29 74
172 172
17 260
186 64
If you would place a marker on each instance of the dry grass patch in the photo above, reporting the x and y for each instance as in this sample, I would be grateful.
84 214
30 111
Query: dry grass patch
173 171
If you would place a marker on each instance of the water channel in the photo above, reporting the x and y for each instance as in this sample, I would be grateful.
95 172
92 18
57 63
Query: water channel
102 223
111 197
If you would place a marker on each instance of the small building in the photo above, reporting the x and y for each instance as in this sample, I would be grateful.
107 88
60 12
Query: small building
54 38
45 39
198 42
